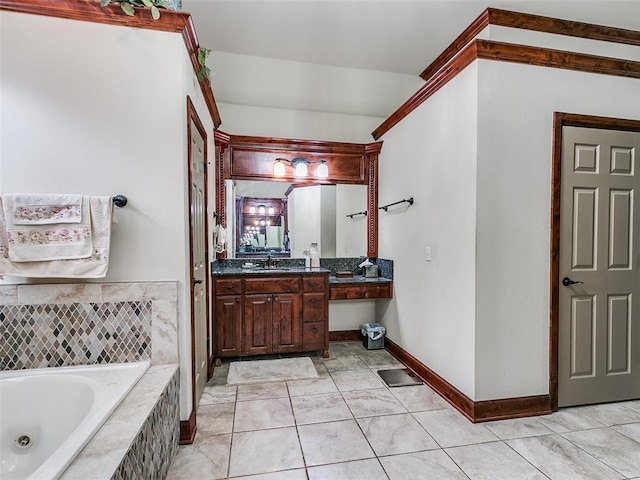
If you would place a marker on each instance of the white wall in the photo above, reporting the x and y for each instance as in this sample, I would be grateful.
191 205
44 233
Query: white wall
351 233
328 221
101 110
282 123
304 219
516 105
430 155
271 82
478 313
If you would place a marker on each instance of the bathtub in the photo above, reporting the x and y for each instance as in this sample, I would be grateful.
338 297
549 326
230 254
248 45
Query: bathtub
49 414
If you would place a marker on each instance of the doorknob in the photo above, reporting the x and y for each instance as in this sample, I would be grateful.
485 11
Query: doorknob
566 281
197 281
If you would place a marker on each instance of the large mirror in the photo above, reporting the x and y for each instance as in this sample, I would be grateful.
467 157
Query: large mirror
281 220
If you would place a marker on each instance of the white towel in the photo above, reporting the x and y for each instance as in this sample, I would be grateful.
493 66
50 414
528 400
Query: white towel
94 266
219 238
42 231
30 209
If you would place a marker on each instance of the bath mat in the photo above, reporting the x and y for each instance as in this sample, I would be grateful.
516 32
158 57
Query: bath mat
264 371
399 377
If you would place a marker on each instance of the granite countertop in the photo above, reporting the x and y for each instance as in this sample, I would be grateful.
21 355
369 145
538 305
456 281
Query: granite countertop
259 271
359 279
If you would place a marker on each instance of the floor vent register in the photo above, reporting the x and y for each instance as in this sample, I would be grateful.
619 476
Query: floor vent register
399 377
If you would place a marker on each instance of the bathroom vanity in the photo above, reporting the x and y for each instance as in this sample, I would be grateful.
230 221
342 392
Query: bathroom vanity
267 311
285 309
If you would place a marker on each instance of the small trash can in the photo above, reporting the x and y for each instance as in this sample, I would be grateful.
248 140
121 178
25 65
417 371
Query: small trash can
373 336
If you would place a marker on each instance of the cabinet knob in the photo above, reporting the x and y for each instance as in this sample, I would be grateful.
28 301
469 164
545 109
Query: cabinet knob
237 299
275 297
269 299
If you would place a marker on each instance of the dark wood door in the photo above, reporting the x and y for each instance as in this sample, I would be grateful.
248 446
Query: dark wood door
228 315
286 322
257 322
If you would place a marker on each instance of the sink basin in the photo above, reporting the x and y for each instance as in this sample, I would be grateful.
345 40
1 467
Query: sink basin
270 270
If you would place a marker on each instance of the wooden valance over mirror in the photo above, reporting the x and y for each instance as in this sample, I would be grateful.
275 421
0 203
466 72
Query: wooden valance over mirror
246 158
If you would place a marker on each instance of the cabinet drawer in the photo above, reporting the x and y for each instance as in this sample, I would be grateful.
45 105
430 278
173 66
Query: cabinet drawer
272 285
314 284
313 336
314 307
227 286
358 291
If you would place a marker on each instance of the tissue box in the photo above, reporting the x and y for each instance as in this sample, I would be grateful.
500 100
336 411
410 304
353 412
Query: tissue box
371 271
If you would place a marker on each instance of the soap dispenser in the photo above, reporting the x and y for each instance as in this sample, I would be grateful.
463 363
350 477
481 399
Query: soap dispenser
307 259
315 255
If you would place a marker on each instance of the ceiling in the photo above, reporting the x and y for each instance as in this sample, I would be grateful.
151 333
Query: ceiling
398 36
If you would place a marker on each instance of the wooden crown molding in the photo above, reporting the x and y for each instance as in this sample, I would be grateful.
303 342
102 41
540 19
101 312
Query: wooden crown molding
435 83
547 57
91 11
311 146
507 52
538 23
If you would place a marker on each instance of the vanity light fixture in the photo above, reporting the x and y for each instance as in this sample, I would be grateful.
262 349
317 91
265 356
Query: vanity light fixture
262 209
301 167
252 209
272 210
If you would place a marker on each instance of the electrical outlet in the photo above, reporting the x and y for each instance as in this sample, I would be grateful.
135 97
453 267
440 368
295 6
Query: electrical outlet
427 254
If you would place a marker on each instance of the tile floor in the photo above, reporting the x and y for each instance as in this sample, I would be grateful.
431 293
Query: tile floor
347 425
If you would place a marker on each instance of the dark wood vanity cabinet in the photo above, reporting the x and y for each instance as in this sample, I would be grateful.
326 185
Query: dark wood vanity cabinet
271 314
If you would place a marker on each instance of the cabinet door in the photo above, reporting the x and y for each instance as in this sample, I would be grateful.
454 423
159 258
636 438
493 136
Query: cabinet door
257 323
286 322
314 336
228 321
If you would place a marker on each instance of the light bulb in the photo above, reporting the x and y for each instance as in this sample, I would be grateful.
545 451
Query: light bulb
301 169
278 168
323 170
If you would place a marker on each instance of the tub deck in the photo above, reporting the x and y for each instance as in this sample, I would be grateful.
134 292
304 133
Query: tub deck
118 447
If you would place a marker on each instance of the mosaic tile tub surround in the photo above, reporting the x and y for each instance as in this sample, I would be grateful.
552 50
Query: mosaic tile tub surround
81 324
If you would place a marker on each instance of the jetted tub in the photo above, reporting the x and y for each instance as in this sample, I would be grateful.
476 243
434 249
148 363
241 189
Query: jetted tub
49 414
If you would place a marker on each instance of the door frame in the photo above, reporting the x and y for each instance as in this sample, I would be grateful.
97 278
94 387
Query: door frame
560 120
192 115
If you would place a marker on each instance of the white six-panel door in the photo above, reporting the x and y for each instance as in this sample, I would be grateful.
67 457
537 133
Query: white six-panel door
599 340
199 266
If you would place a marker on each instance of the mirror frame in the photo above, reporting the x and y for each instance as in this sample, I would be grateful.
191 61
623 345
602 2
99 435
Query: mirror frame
251 158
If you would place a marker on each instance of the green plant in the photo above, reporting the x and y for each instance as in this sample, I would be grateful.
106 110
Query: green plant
204 71
127 6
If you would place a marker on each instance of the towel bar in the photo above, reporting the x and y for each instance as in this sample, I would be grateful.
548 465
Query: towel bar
409 201
119 200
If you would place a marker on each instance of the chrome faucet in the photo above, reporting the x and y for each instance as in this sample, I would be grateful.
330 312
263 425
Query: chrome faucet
267 264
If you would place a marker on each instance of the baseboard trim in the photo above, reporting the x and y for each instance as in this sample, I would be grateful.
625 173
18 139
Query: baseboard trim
345 336
516 407
188 429
482 411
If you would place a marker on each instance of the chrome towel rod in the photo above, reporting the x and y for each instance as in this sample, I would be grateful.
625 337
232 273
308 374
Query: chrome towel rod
409 201
119 200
